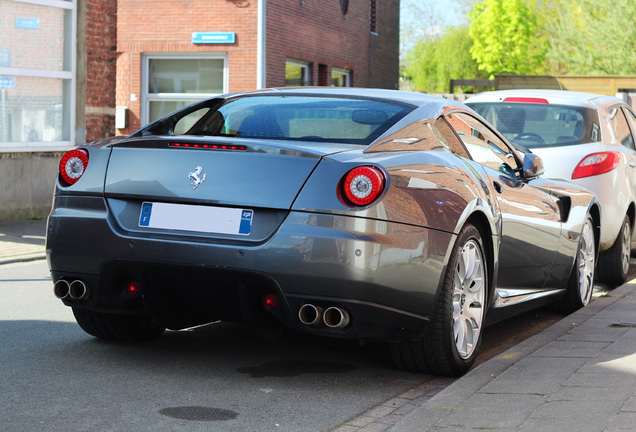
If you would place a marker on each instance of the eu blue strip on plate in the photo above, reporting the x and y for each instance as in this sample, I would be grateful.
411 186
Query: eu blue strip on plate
246 222
144 217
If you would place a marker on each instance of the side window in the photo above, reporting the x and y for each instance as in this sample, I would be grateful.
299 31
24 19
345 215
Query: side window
483 145
619 126
631 119
445 134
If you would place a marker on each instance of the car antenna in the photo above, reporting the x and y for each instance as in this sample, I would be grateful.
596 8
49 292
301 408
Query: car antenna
555 74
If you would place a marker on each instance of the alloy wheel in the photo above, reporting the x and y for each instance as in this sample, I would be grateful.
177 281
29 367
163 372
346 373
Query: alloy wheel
586 262
468 298
625 247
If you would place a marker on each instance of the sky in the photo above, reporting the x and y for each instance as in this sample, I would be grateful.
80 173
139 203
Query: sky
420 17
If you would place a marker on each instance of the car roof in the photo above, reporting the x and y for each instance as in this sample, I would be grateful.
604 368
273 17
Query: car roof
398 96
558 97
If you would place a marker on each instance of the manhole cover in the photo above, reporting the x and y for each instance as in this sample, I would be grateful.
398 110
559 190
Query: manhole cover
199 413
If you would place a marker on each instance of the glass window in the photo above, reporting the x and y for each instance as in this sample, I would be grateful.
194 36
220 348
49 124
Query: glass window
631 118
175 82
36 112
483 145
288 118
340 78
619 126
37 76
535 125
296 73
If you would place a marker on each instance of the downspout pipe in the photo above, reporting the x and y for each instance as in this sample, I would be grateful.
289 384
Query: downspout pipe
261 59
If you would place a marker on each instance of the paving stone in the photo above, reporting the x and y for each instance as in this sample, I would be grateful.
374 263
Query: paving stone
493 411
422 419
535 375
561 348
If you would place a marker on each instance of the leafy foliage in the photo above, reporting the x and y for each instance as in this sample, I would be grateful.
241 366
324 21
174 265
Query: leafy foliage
431 64
507 38
591 37
519 37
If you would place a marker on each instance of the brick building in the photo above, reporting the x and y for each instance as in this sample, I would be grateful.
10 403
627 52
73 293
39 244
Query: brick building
172 53
57 91
66 65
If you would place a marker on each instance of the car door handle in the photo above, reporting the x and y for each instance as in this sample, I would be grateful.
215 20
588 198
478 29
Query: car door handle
497 186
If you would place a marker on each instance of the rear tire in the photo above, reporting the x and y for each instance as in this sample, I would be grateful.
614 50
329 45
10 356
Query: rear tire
581 283
451 342
613 264
128 328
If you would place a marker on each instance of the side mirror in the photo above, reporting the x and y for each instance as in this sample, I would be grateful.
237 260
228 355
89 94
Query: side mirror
532 166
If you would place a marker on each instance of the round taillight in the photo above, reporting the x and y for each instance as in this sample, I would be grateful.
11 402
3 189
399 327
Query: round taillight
73 165
363 185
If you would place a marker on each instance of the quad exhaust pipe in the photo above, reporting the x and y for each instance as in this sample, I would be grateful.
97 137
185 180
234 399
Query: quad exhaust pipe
75 290
310 314
335 317
332 317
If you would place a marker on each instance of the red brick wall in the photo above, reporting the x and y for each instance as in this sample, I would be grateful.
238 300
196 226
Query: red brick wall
316 31
101 56
166 26
384 46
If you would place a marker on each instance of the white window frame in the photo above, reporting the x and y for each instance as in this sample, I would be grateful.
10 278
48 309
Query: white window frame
68 78
146 97
345 73
305 67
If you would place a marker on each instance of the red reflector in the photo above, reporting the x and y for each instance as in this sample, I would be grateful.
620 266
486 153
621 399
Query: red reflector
526 100
270 301
73 165
133 288
595 164
362 185
210 146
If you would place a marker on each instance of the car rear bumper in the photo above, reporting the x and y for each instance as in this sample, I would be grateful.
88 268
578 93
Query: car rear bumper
383 275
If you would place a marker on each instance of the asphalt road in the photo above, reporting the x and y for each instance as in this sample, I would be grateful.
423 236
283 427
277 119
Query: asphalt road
54 377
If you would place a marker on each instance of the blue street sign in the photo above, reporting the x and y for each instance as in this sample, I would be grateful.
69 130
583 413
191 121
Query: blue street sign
27 23
7 82
213 37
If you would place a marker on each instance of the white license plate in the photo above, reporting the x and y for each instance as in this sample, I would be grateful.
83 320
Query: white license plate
183 217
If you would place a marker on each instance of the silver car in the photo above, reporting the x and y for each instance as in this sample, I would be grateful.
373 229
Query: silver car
587 138
349 213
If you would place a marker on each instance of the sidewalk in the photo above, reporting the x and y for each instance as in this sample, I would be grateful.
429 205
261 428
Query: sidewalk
577 375
22 240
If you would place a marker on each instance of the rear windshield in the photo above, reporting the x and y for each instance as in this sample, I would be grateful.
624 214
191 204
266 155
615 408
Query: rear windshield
300 118
535 125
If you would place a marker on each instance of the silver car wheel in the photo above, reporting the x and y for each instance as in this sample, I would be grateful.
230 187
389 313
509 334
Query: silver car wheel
468 298
586 262
625 247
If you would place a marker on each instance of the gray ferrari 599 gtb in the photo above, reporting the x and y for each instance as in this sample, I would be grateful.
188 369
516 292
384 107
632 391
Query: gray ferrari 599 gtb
352 213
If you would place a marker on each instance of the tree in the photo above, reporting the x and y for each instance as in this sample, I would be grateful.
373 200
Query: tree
508 38
595 37
433 62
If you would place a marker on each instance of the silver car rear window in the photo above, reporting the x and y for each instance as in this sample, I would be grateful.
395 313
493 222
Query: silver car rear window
535 125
